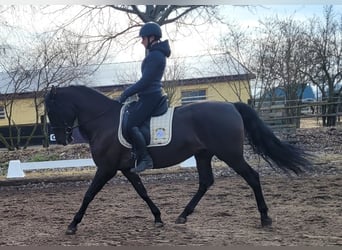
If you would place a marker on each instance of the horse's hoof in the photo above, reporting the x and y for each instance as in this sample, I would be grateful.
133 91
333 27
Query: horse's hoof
158 224
180 220
71 231
266 222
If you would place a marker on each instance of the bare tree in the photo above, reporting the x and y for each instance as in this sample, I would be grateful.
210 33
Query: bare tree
105 25
280 60
252 48
276 52
263 65
175 71
325 60
16 84
236 48
164 14
49 60
58 61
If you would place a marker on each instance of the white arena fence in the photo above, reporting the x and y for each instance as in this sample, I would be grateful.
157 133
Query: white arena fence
16 168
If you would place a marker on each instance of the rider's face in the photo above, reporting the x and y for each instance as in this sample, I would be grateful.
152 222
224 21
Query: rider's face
144 41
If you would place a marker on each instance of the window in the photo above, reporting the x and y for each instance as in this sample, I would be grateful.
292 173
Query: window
2 112
190 96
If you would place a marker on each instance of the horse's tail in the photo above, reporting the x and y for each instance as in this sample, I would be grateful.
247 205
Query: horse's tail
267 145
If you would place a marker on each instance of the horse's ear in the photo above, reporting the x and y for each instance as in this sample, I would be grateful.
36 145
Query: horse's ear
53 92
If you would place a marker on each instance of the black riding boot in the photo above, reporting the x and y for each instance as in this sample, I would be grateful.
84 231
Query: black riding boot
144 160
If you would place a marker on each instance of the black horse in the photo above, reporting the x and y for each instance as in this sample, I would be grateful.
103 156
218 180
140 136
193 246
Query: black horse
201 130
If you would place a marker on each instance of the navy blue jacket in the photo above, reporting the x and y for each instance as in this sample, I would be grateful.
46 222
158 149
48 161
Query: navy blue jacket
152 69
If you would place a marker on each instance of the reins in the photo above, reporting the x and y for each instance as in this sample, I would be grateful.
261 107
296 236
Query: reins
77 125
68 130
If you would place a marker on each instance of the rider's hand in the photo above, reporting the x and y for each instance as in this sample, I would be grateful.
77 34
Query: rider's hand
122 98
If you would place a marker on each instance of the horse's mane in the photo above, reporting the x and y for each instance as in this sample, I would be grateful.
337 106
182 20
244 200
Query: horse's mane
91 91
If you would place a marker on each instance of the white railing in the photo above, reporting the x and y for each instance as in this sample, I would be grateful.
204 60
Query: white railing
16 169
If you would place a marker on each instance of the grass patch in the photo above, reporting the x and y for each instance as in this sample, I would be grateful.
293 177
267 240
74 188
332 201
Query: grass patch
44 157
3 168
27 157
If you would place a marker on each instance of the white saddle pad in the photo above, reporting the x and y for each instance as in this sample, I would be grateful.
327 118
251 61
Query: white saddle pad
160 129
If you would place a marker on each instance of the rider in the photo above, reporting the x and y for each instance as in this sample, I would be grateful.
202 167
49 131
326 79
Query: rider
149 90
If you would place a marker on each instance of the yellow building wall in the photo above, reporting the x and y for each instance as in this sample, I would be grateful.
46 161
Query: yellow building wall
223 91
24 111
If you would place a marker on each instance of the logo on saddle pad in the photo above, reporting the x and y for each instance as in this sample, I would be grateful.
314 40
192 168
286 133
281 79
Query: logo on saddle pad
160 129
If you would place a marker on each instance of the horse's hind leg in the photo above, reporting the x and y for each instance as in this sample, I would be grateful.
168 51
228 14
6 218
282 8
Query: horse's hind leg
206 179
252 178
141 190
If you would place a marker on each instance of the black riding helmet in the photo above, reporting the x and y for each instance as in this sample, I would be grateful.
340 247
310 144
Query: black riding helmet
151 29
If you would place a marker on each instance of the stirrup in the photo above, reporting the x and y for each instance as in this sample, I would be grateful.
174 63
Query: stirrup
142 166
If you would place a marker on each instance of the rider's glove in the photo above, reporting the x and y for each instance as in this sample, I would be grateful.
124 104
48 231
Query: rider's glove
122 98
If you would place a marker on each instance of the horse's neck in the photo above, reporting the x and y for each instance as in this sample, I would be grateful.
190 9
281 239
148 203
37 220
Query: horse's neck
94 112
90 106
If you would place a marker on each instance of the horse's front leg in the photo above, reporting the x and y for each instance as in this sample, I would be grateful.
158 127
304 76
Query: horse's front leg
135 180
100 179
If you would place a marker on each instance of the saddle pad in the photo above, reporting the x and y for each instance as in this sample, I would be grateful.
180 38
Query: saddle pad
160 129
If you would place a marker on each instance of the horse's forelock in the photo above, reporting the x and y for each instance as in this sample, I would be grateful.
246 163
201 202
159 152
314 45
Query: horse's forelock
51 97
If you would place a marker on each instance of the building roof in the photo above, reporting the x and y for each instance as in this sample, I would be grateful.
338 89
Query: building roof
193 67
190 70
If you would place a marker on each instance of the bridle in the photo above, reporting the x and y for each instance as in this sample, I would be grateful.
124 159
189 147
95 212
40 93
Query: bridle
68 129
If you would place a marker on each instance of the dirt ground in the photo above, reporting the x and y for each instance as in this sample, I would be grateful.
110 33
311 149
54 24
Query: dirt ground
306 211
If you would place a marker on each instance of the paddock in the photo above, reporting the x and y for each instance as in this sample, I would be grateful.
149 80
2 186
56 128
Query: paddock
306 212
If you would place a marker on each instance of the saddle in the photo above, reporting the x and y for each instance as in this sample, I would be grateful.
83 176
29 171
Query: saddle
156 130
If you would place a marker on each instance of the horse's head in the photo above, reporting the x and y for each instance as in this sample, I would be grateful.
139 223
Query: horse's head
61 115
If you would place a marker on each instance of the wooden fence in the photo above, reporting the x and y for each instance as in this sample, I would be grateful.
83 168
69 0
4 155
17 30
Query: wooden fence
282 117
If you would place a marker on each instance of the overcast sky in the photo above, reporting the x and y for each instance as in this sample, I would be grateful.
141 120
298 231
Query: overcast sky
194 43
203 40
197 43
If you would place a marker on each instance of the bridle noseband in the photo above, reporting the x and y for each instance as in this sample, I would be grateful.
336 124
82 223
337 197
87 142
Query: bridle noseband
67 129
